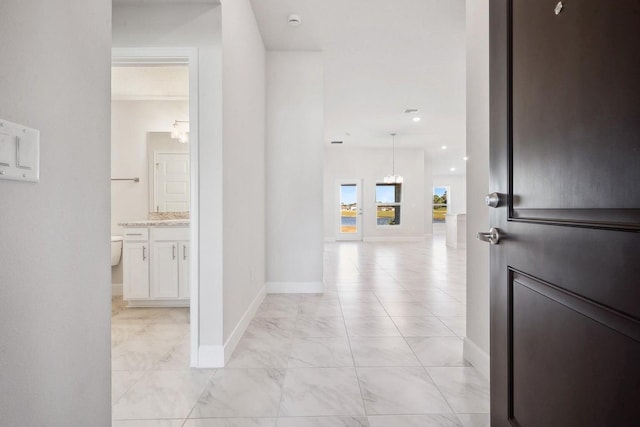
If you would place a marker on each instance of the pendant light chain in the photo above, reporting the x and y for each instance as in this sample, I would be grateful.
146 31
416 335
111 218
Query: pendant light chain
393 178
393 161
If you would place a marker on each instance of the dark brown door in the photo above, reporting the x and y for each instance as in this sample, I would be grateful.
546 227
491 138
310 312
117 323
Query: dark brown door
565 152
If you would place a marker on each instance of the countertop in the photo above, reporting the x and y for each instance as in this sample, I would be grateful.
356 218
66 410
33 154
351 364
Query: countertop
156 223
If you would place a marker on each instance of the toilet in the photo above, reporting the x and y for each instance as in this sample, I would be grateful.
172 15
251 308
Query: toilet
116 250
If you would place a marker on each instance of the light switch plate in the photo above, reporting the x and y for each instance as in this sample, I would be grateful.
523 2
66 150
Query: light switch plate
7 149
19 152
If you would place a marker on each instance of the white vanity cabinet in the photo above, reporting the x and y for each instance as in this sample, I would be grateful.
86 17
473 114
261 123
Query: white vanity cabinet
169 262
135 263
156 271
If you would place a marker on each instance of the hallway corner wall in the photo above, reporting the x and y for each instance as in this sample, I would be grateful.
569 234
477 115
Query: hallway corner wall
244 103
194 25
55 286
476 347
295 171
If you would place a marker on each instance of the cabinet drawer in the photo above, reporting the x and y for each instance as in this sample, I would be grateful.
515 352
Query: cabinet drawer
133 234
170 233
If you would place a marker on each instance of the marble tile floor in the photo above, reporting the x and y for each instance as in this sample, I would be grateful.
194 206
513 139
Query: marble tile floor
381 347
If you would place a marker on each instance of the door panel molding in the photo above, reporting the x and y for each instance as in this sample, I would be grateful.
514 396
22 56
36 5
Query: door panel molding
552 357
606 219
613 319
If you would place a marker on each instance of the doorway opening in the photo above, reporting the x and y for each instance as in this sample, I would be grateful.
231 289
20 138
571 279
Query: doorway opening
155 142
349 196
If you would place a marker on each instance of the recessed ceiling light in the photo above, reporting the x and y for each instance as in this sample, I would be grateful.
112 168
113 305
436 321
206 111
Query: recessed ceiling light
416 119
444 147
452 169
465 158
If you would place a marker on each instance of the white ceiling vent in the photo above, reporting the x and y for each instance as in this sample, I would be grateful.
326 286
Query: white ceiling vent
294 20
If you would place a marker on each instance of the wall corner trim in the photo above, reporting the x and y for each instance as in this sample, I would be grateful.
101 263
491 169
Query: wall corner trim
478 358
234 338
295 287
210 356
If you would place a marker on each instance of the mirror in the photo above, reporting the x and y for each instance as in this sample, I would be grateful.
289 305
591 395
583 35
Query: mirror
169 177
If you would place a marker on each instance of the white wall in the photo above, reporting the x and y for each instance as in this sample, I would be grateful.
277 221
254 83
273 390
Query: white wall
244 166
55 288
476 347
294 171
199 26
457 195
371 165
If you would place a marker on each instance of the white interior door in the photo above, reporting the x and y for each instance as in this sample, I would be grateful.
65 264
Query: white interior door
349 206
171 182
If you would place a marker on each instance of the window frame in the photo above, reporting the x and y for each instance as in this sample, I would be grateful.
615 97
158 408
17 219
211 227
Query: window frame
397 205
434 205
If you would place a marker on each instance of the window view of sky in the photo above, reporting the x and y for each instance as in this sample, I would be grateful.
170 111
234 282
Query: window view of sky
348 194
385 194
439 191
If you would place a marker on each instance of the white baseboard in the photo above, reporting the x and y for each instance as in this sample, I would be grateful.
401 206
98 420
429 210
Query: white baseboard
158 303
116 289
295 287
233 340
210 356
394 239
478 358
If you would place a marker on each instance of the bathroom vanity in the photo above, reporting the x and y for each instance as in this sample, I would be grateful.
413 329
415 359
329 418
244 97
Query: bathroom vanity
155 257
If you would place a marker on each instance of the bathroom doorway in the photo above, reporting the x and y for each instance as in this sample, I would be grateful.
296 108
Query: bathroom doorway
154 189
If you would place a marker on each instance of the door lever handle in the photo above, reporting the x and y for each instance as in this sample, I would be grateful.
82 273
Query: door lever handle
493 236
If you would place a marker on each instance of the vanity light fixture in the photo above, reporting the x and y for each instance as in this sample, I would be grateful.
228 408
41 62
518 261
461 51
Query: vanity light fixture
180 131
393 178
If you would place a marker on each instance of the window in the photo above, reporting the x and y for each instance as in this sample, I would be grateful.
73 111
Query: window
439 204
388 197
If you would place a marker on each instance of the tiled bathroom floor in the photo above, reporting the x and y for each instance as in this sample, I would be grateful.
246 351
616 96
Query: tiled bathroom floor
381 347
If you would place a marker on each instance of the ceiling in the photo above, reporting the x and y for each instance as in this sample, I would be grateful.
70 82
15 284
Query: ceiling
165 1
382 57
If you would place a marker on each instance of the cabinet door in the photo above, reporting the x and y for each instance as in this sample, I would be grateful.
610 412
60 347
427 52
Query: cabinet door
164 270
135 270
183 269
